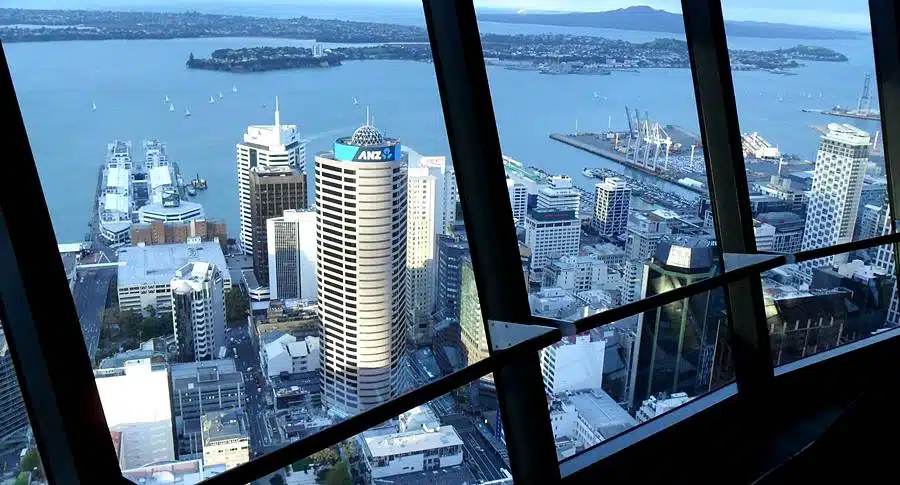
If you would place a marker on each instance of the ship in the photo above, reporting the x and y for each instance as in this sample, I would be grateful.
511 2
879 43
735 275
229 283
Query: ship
199 183
128 184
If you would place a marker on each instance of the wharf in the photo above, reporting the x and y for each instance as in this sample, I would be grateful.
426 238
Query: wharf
592 143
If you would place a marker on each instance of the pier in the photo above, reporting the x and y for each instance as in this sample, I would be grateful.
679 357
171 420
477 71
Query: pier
592 143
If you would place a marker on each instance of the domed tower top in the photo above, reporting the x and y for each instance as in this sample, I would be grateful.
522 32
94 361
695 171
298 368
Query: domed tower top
367 135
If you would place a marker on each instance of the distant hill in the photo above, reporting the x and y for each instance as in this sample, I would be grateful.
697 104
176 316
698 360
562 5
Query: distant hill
653 20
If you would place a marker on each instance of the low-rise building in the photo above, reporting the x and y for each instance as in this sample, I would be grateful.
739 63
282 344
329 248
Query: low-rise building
287 355
653 406
225 438
586 418
145 272
388 455
186 472
199 388
135 399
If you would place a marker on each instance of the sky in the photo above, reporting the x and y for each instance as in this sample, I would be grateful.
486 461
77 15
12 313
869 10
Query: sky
826 13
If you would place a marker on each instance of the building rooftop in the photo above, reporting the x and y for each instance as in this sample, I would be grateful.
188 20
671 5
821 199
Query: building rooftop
223 425
296 384
847 133
182 208
188 472
411 441
690 254
189 375
602 412
156 264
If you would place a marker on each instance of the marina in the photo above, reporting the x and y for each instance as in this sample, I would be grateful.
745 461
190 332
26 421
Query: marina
677 170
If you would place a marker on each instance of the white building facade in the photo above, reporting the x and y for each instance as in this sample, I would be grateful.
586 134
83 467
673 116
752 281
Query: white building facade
559 194
265 146
518 199
834 197
611 212
198 311
411 451
550 234
421 212
361 200
291 241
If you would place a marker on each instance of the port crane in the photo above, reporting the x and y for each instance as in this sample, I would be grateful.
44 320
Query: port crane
648 142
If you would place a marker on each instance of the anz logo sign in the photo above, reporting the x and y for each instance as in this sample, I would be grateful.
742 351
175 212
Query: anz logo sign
385 153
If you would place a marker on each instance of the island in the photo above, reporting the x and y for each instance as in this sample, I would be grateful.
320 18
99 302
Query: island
648 19
545 53
259 59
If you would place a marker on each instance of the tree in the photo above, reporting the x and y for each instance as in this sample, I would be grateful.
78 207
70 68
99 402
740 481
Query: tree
152 327
276 480
339 475
31 462
236 305
328 456
350 451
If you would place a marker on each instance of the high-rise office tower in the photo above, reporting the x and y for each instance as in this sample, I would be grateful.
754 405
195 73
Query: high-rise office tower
361 218
198 311
676 342
834 197
13 420
611 211
273 190
518 199
451 250
265 146
292 255
560 194
550 233
420 251
471 324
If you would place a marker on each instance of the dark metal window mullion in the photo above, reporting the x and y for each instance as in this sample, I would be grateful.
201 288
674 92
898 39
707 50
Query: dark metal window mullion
885 18
729 193
41 323
475 149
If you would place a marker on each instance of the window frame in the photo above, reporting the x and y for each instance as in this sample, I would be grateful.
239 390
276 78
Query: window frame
57 381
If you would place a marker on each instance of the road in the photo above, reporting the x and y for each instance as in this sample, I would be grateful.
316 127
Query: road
91 294
478 454
258 412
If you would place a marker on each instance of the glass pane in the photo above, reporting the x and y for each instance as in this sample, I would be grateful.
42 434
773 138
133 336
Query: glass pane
602 153
264 239
436 443
812 133
606 177
816 168
620 375
18 449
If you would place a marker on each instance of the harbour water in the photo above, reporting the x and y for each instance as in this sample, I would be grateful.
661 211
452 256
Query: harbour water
57 83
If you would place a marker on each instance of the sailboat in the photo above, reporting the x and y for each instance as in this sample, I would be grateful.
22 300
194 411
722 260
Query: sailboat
167 99
220 95
187 113
212 100
234 89
171 107
355 101
596 95
93 106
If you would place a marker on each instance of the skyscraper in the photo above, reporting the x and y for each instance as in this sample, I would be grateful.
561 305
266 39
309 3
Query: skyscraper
676 342
198 311
265 146
361 218
13 420
550 233
292 255
273 190
420 251
518 200
611 211
834 197
559 194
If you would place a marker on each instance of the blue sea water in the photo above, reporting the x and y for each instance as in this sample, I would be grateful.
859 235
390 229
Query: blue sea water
128 80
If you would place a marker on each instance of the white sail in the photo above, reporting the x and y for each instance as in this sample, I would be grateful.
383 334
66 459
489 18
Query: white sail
221 96
167 99
93 106
234 89
171 107
212 100
187 113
